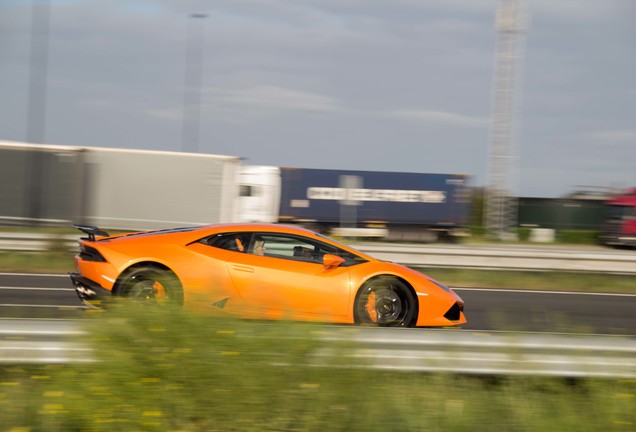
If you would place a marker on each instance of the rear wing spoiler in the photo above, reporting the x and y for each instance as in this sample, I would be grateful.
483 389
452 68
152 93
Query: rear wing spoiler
92 231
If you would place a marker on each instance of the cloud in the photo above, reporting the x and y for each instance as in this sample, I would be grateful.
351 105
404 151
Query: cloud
614 135
440 117
576 10
233 106
165 114
279 98
265 100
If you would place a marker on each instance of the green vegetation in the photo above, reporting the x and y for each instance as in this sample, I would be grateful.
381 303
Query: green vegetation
555 281
562 237
165 369
36 262
582 237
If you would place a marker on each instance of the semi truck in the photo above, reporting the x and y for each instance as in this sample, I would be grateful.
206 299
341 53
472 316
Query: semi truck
124 189
619 225
395 206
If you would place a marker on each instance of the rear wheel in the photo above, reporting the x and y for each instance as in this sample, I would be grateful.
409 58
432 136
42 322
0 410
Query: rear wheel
151 285
386 302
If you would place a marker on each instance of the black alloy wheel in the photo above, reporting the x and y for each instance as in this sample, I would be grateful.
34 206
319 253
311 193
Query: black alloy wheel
152 285
386 302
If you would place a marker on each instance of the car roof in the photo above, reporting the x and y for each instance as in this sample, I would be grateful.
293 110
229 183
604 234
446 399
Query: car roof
186 235
259 227
193 233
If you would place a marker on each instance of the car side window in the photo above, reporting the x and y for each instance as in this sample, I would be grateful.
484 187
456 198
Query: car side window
273 245
297 248
236 242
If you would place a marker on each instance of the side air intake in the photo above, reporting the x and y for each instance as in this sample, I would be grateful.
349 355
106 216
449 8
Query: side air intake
453 313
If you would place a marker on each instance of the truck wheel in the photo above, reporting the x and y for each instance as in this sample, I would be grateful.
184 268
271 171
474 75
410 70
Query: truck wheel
385 302
152 285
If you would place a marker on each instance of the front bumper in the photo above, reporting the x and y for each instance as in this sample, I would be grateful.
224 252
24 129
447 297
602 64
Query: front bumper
442 310
88 290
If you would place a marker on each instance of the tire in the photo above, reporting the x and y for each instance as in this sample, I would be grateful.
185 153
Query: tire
385 302
151 285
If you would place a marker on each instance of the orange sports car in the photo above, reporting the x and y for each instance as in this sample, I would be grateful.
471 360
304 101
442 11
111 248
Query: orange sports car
261 271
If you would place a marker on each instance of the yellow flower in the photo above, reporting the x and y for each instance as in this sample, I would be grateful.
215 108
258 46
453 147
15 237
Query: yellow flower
150 380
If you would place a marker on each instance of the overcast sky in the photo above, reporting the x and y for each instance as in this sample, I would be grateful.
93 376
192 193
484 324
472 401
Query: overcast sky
391 85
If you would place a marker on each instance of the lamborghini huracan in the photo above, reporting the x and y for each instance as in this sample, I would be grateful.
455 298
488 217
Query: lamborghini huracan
260 271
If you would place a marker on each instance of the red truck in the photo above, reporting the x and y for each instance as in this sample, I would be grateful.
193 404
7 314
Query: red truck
619 226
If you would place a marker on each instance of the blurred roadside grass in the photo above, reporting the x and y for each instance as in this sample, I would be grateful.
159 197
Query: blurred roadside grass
37 262
60 261
535 280
167 369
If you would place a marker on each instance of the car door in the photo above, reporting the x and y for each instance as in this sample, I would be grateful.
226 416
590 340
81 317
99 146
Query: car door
290 277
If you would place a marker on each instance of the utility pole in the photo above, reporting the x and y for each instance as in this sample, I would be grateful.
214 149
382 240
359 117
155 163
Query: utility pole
192 82
500 211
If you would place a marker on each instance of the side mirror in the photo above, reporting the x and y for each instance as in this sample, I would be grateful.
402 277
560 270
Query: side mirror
331 261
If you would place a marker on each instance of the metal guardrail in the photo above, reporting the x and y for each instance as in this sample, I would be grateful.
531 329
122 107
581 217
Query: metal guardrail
458 256
41 342
489 353
508 257
407 350
34 242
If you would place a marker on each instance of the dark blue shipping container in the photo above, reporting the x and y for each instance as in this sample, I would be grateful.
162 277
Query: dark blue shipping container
373 197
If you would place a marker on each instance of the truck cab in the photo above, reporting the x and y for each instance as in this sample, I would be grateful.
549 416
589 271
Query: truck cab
259 195
619 225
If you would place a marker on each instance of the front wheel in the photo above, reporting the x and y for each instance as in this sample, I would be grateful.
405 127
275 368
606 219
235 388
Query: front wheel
386 302
152 285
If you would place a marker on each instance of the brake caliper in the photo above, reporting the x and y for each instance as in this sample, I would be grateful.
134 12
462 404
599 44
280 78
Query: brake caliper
370 307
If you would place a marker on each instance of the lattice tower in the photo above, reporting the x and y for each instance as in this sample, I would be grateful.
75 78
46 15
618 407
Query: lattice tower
500 212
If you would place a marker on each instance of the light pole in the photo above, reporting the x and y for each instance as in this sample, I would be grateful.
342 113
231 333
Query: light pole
192 82
36 109
36 115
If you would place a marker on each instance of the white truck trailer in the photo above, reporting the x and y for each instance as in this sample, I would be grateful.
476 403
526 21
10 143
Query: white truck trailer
140 189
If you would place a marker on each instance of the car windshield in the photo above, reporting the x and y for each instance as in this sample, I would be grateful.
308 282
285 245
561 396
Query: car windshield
340 244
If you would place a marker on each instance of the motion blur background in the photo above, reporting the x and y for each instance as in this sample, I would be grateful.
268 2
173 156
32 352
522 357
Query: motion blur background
536 107
395 85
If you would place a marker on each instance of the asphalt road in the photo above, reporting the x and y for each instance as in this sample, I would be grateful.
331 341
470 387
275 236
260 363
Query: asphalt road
52 296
